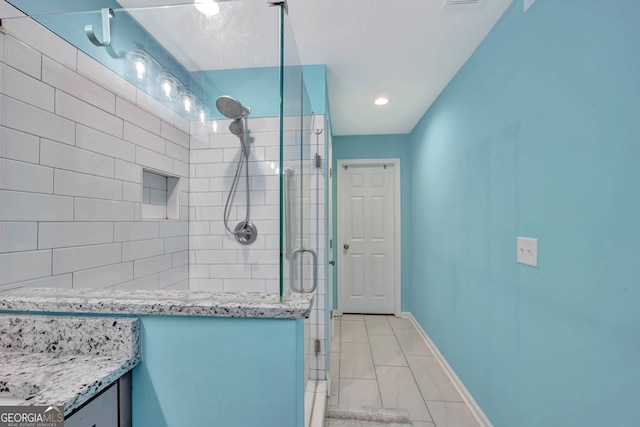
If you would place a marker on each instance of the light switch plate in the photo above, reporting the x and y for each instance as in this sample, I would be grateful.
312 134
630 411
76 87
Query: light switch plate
527 251
527 4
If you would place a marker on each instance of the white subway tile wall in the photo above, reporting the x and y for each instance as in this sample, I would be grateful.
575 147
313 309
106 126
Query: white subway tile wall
218 261
74 138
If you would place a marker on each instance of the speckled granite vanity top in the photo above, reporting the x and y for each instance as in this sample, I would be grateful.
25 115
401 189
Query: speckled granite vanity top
64 360
160 302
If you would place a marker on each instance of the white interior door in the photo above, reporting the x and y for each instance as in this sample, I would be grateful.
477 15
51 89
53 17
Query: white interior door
365 247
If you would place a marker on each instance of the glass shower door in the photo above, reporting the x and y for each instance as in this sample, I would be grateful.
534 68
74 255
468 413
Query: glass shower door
127 154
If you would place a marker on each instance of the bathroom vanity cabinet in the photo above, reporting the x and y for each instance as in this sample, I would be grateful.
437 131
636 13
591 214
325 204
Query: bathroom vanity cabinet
228 359
79 364
110 408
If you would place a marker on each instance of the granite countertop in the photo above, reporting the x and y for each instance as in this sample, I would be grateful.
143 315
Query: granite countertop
64 360
158 302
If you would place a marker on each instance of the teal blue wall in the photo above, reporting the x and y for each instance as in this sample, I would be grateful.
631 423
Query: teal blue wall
200 371
536 136
259 88
379 147
315 78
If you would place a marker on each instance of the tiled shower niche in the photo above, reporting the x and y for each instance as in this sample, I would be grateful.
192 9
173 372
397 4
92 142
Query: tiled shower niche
160 196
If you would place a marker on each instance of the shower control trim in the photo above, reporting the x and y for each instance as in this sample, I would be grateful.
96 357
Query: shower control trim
245 233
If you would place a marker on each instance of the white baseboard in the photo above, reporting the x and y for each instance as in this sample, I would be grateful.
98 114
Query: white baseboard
473 406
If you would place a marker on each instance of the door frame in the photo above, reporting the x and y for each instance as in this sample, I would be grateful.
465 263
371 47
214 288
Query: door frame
397 223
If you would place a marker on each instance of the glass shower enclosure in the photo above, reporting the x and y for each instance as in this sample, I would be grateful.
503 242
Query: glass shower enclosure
155 145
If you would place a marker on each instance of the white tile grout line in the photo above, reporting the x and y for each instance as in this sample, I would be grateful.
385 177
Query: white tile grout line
472 405
413 375
403 354
373 362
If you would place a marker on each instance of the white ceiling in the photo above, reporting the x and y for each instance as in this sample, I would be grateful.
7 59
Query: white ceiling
406 50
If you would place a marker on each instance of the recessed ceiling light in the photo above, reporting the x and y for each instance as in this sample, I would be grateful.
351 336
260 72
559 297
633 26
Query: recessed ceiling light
208 7
381 101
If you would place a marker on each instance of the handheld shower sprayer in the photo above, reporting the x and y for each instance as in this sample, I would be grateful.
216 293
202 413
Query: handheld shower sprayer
245 232
237 128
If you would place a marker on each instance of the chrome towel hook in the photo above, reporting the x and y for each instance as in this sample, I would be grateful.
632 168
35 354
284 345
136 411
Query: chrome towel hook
107 14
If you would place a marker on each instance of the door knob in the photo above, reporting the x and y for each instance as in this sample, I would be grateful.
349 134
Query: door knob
332 262
346 246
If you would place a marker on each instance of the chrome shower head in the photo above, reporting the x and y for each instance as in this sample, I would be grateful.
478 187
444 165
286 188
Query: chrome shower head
231 107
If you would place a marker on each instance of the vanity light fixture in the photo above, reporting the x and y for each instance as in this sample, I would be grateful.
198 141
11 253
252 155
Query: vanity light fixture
148 74
381 101
207 7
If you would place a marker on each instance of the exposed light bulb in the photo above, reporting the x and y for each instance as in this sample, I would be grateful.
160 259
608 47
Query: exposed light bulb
168 86
141 69
207 7
139 66
166 89
189 102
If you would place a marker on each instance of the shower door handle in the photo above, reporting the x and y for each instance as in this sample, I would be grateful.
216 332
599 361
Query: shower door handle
292 269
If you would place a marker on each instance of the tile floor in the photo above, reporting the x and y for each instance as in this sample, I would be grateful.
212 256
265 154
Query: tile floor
383 361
